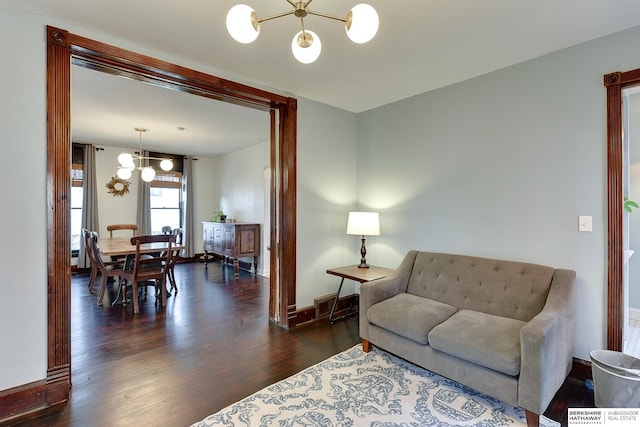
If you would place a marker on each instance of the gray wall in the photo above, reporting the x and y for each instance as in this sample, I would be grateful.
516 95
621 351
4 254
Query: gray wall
502 166
327 139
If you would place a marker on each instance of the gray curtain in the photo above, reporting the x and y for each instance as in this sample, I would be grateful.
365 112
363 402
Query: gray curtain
143 215
89 201
187 212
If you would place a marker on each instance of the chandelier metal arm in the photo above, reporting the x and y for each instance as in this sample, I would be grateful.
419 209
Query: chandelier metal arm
310 12
279 15
141 157
325 15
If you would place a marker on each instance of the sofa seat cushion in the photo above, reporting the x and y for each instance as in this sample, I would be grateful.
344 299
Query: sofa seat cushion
409 316
485 339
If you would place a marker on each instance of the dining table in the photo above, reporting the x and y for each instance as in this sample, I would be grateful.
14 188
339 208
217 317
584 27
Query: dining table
122 247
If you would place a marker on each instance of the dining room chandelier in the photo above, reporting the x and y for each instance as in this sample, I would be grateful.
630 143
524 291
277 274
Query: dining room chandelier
128 162
361 25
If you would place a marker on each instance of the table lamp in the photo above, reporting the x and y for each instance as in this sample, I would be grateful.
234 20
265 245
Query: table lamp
363 224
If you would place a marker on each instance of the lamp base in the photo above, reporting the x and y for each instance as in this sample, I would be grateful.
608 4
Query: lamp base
363 256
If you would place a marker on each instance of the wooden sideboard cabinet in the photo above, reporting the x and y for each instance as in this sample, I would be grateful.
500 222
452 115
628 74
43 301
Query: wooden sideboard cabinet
231 240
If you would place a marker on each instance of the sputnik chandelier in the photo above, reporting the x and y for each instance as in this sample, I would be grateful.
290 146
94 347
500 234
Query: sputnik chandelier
147 173
361 25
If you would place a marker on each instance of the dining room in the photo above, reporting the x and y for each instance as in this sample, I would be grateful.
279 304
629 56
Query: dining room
219 151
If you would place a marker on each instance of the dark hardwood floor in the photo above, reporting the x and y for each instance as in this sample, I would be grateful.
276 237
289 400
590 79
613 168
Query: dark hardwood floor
213 345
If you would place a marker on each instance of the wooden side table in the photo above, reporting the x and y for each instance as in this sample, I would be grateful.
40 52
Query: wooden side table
353 272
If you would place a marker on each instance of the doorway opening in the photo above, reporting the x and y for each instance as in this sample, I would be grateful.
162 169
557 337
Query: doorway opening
616 83
63 49
631 220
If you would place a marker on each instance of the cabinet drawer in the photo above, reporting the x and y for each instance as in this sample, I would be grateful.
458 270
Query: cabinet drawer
233 240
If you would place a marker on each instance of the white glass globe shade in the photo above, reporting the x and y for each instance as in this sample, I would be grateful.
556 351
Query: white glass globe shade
125 159
124 173
148 174
240 24
166 165
364 23
306 55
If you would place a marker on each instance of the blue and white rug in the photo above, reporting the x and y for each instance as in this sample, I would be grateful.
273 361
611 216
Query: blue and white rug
374 389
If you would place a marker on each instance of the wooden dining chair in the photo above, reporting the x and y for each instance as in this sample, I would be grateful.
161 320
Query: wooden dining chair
171 273
176 253
106 270
114 227
86 238
149 268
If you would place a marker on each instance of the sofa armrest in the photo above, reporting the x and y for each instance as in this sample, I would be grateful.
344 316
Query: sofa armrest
546 345
378 290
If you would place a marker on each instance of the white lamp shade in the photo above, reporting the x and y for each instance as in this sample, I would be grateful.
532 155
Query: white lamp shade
124 173
363 223
148 174
364 23
166 165
240 24
306 55
125 159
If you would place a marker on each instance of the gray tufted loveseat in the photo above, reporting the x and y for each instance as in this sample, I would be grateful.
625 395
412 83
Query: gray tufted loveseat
504 328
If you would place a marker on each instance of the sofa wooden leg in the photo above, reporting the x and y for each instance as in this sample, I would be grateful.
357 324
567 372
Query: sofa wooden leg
533 419
366 346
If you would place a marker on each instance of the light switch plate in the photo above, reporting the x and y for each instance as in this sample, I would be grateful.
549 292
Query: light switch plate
584 223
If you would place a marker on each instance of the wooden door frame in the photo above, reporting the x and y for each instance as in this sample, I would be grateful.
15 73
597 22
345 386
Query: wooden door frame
615 83
63 49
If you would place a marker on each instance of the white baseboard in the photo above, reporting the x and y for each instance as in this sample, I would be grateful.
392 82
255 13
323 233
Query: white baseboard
634 313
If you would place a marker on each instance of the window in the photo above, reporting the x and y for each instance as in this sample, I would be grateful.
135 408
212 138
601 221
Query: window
166 195
76 198
166 205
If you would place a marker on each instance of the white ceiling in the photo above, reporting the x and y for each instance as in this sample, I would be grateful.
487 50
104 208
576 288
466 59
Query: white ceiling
105 108
421 45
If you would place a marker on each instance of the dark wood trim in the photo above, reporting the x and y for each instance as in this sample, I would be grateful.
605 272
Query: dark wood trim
287 197
104 57
305 316
274 256
63 48
58 380
615 83
581 369
322 306
614 191
17 401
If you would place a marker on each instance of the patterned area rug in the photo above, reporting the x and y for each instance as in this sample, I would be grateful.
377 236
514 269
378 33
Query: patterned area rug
374 389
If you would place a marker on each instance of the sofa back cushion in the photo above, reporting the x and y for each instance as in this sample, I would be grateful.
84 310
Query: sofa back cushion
511 289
